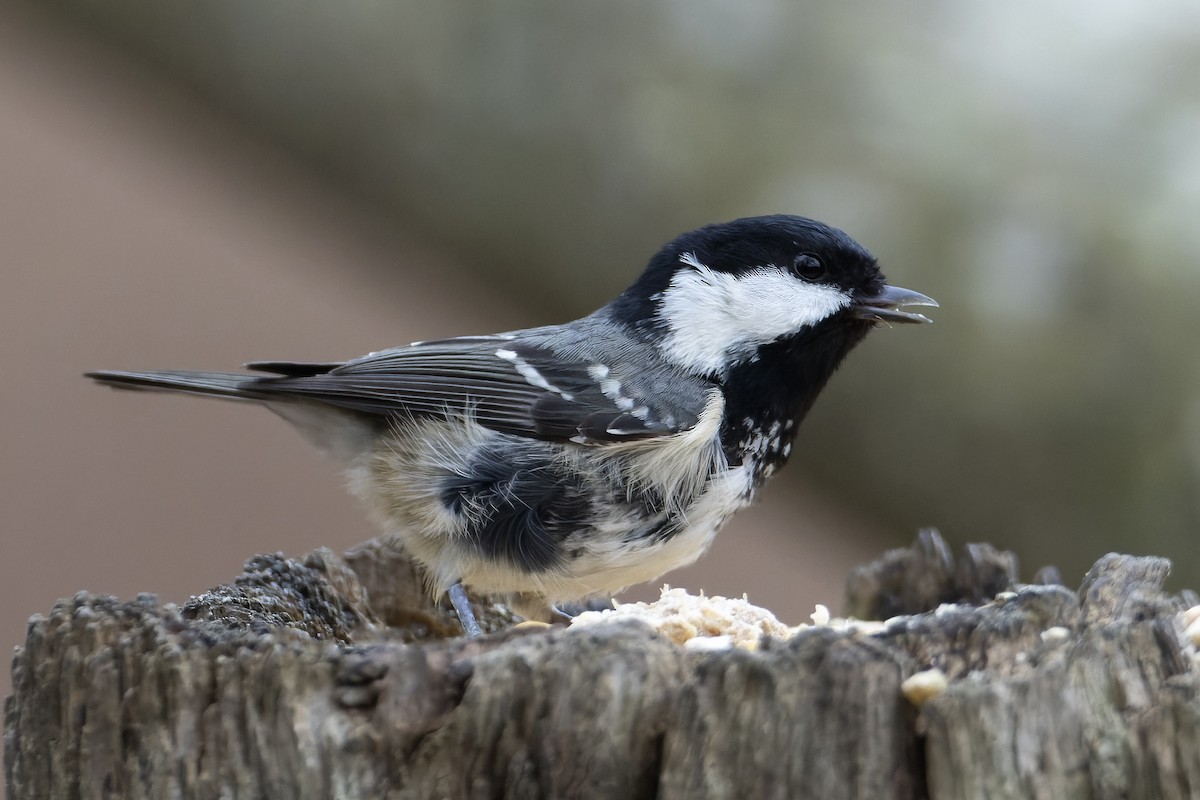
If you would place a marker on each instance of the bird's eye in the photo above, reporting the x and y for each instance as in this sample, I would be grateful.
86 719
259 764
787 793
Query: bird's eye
808 267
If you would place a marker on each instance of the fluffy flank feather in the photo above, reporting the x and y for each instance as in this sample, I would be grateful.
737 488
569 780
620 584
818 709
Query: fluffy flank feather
677 466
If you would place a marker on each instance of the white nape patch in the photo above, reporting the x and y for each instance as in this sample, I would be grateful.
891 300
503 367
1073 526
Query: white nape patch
715 319
530 373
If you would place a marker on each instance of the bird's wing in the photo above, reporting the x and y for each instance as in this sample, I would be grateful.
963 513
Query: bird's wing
503 382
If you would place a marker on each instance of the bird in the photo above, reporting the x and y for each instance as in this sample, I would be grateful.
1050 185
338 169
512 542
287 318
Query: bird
553 464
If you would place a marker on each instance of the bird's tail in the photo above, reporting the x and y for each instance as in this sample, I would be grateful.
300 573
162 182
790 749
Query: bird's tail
227 385
343 434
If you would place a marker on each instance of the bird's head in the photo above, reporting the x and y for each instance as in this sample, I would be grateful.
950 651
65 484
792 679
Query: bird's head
717 297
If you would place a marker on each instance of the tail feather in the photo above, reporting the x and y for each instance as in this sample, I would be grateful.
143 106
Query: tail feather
228 385
294 369
341 433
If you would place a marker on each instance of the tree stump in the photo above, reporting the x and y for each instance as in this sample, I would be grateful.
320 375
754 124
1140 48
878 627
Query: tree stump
336 677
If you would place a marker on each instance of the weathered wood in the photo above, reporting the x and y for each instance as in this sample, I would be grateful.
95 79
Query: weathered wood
926 575
332 677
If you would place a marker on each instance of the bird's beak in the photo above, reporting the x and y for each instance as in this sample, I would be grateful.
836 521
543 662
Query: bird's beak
885 305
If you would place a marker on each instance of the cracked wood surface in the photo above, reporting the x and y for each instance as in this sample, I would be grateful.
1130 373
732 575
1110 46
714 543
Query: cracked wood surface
335 677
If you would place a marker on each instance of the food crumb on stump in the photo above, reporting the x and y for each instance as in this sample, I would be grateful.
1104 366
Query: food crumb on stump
1190 620
1056 633
923 686
700 622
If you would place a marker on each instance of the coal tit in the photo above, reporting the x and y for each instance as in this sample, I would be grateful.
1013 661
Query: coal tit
557 463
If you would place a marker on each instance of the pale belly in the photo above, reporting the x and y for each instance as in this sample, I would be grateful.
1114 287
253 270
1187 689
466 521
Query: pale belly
607 562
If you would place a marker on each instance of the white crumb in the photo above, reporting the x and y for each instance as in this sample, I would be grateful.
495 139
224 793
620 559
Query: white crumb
924 686
708 643
1055 633
1190 620
1190 616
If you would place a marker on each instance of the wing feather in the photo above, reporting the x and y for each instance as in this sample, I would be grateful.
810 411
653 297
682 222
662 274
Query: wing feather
503 382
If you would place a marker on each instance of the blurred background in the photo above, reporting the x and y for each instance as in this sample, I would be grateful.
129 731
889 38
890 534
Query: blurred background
195 185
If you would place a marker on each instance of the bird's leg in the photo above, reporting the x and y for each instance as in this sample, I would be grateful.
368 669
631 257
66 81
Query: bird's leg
466 615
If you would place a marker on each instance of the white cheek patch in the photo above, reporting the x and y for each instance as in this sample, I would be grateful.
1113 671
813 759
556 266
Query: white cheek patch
714 319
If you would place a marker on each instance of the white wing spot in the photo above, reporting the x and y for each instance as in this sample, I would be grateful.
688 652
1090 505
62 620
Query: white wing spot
530 373
611 388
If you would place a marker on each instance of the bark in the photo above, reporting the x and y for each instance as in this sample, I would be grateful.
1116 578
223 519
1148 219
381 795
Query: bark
335 677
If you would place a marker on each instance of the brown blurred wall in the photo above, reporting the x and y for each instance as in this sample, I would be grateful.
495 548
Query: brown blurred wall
140 230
